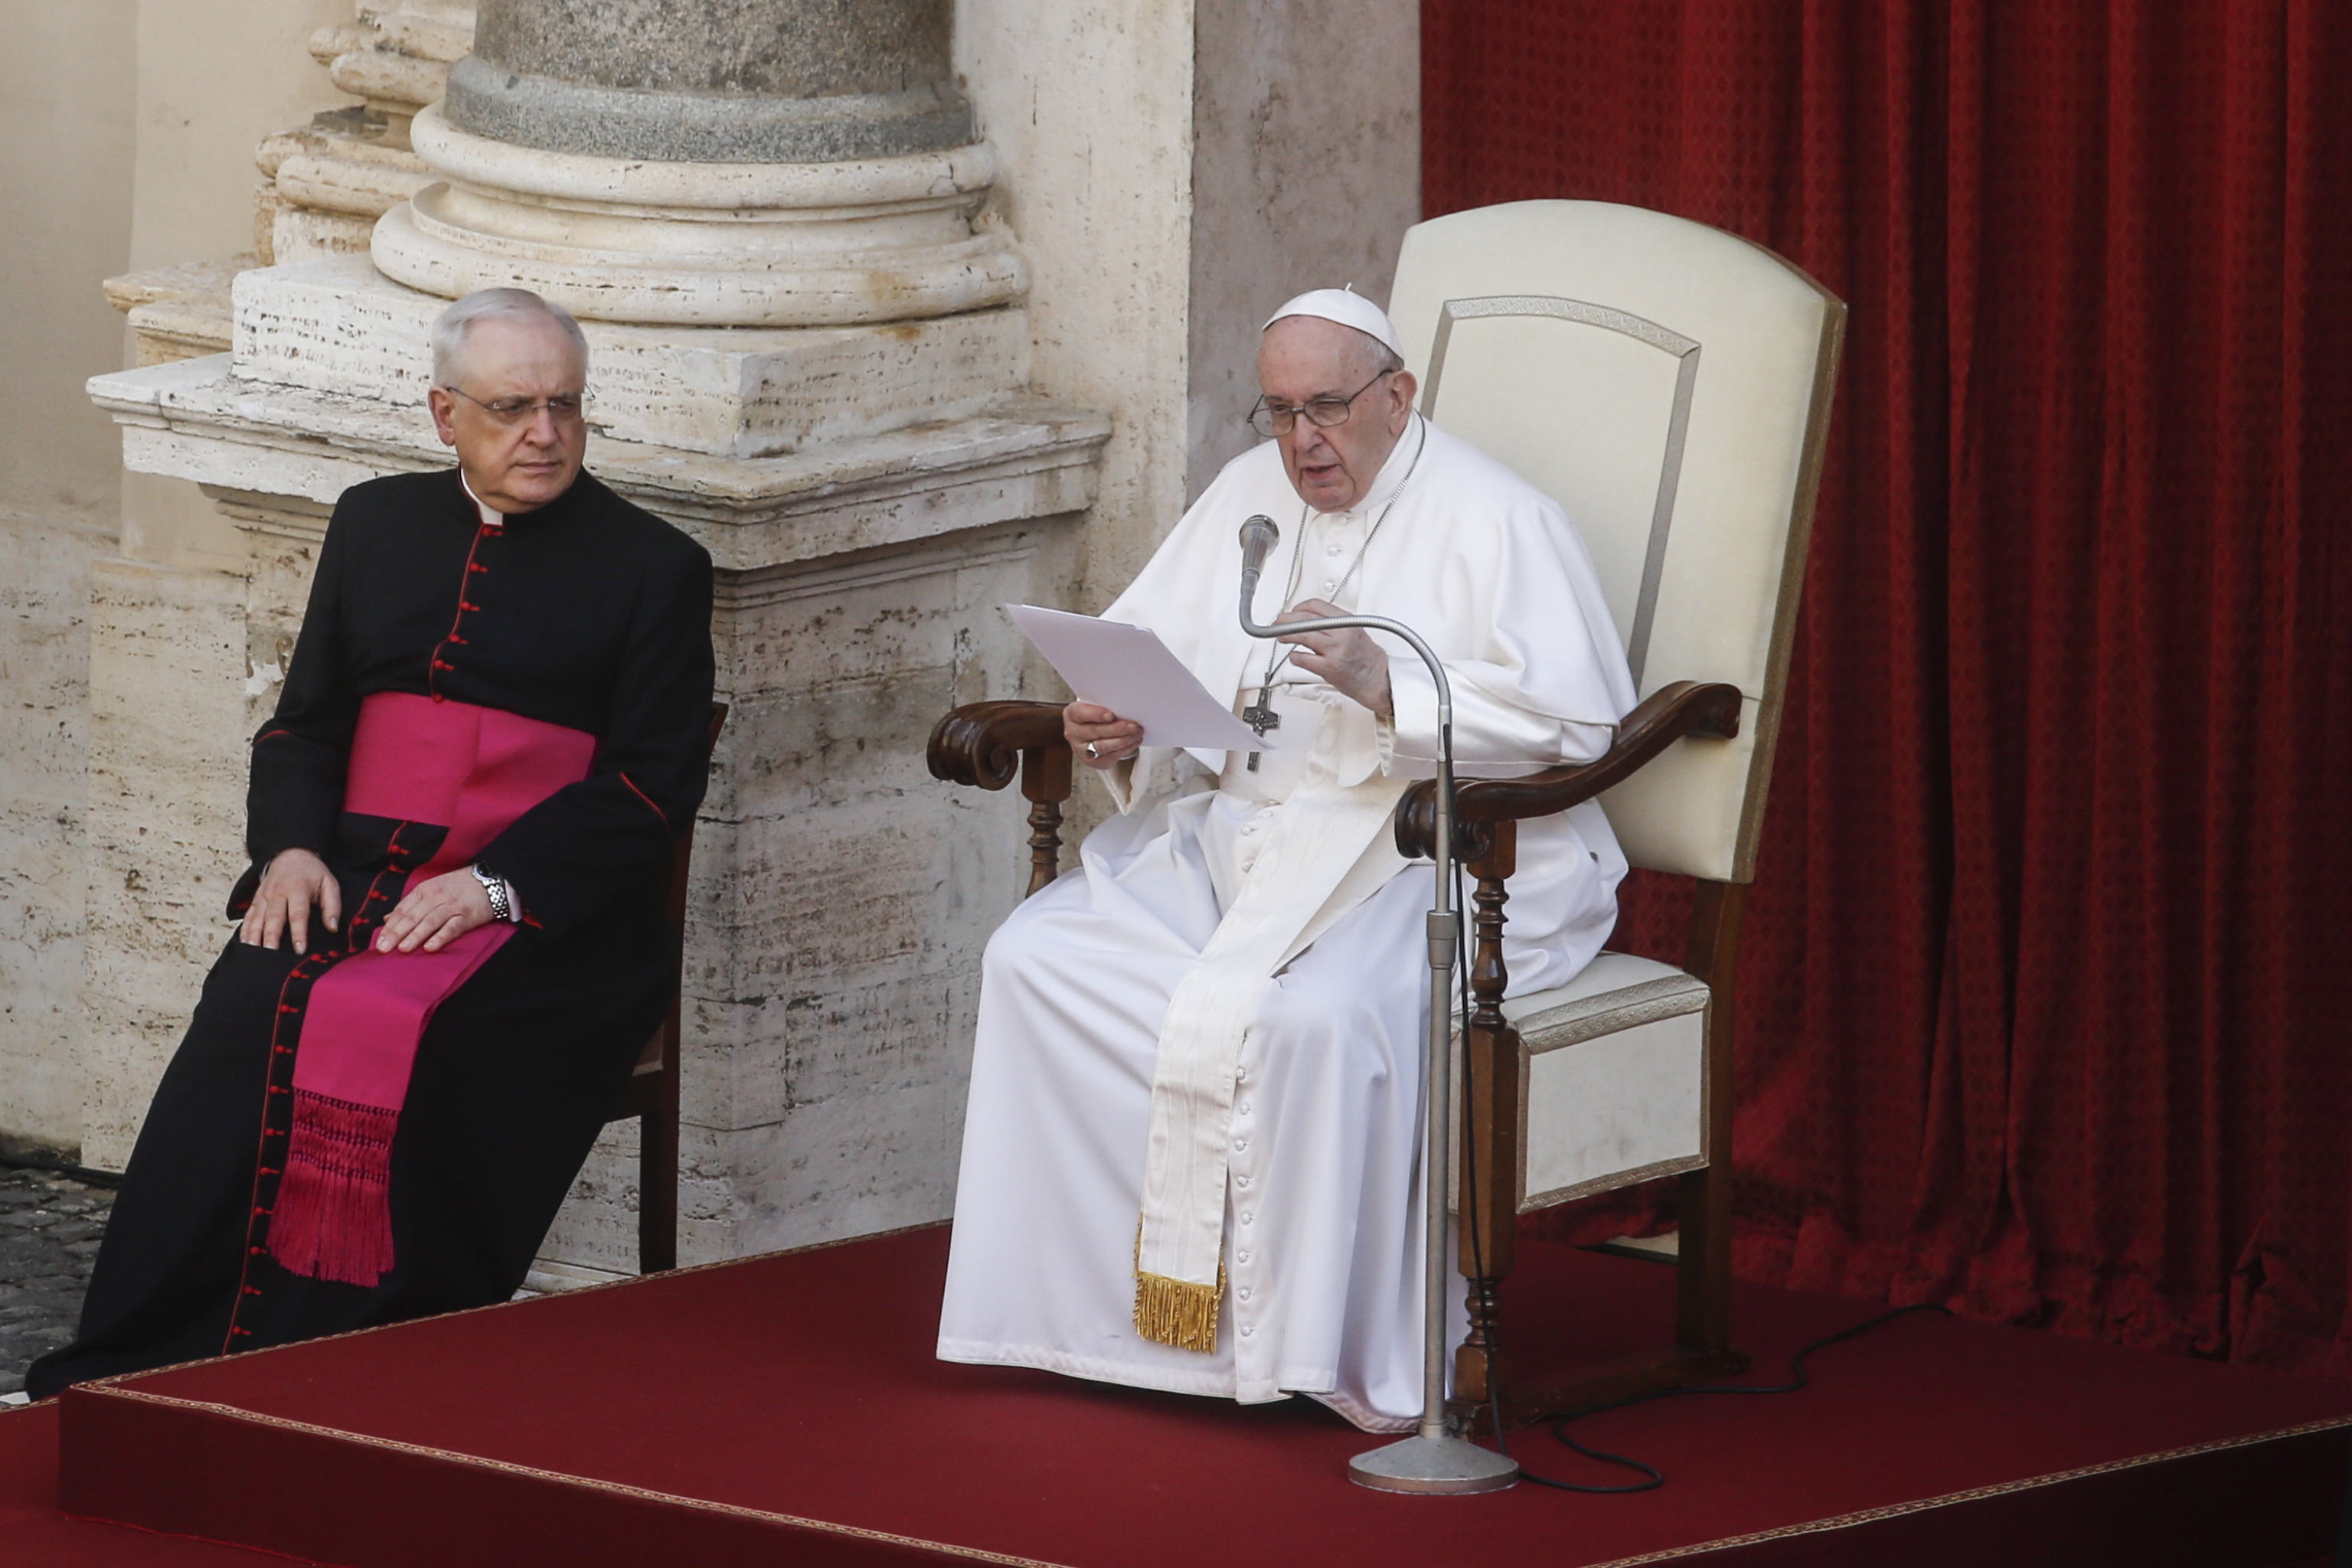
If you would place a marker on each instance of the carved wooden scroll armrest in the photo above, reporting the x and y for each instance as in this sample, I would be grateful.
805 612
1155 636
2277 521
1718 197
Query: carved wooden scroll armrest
1685 707
985 743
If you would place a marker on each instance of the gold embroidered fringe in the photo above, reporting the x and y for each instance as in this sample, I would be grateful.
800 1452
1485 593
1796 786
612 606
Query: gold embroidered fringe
1176 1312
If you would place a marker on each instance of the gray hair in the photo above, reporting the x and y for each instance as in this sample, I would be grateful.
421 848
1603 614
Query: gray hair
1373 357
518 305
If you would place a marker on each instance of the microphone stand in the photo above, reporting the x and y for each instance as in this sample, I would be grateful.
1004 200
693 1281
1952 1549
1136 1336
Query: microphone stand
1434 1459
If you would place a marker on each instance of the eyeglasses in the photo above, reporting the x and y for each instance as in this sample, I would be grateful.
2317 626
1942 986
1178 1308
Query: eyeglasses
1273 418
563 405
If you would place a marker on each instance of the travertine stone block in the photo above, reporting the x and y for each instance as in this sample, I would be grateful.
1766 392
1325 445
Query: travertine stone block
177 313
548 1278
595 1233
429 29
596 1229
166 819
849 1166
339 175
44 735
308 234
829 1038
397 53
705 1197
388 77
804 1049
282 538
338 326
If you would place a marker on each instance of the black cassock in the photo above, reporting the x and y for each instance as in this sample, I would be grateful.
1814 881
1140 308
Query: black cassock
589 613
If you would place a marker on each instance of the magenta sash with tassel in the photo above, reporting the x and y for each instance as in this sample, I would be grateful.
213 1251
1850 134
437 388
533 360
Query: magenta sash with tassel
438 763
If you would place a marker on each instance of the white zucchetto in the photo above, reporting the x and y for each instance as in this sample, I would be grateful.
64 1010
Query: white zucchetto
1349 309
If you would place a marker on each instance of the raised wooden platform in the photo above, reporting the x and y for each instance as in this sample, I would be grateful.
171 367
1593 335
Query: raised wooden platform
788 1409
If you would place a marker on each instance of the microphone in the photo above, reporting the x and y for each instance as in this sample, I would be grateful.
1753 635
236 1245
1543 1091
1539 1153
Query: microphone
1258 538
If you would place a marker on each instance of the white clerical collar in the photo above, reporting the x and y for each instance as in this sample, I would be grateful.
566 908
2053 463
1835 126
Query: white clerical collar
1393 473
491 516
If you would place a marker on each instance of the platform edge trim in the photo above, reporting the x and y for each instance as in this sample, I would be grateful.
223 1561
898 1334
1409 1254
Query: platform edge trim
589 1483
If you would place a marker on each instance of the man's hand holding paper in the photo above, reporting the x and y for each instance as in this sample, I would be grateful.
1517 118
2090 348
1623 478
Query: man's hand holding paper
1098 737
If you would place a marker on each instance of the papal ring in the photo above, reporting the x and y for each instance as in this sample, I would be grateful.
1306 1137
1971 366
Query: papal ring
1090 749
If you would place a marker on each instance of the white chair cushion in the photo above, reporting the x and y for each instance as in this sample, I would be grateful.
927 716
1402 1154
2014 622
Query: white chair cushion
1612 1087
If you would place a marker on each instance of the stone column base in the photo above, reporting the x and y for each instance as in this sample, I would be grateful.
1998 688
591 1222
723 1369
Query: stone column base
771 245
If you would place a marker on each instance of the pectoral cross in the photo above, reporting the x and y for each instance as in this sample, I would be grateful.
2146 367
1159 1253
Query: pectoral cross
1261 717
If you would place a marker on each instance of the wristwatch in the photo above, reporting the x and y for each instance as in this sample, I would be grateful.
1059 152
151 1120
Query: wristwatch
501 896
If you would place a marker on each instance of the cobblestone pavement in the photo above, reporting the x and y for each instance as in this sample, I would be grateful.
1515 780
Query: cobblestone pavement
48 1234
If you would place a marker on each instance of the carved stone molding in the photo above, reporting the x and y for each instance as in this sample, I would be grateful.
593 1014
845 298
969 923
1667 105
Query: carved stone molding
1023 458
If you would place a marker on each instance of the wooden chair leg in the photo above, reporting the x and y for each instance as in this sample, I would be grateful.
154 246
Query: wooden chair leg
657 1199
1490 1148
1703 1297
1703 1267
657 1162
1045 785
652 1095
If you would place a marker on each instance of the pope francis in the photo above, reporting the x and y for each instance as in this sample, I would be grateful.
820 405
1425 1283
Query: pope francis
1191 1159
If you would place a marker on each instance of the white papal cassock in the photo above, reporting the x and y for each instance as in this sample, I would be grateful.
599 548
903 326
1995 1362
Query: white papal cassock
1253 944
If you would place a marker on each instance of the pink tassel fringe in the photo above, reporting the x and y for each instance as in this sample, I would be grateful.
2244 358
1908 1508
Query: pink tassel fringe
333 1219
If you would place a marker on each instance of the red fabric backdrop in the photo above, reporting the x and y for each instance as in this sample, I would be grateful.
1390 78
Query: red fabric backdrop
2045 1007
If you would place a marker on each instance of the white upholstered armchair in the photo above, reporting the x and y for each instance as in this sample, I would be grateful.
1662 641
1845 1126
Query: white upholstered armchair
1670 384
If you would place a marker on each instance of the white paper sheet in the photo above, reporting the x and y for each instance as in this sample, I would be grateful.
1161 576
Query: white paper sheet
1130 670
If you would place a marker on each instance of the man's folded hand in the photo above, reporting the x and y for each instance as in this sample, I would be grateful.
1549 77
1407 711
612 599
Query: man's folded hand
294 880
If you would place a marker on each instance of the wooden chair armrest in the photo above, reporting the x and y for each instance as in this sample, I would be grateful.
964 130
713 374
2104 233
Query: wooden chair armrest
981 742
987 743
1684 708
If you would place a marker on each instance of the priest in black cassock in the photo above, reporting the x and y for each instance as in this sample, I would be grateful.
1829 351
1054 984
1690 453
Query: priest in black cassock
447 963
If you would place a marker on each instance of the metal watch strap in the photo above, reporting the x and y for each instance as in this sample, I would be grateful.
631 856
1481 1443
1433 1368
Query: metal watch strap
502 905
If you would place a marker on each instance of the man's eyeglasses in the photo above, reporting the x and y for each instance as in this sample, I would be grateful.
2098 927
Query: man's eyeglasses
1273 418
563 405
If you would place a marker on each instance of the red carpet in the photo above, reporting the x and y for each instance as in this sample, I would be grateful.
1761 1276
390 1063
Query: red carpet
787 1409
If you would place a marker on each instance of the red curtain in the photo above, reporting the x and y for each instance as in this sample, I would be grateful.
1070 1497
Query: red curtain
2047 983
